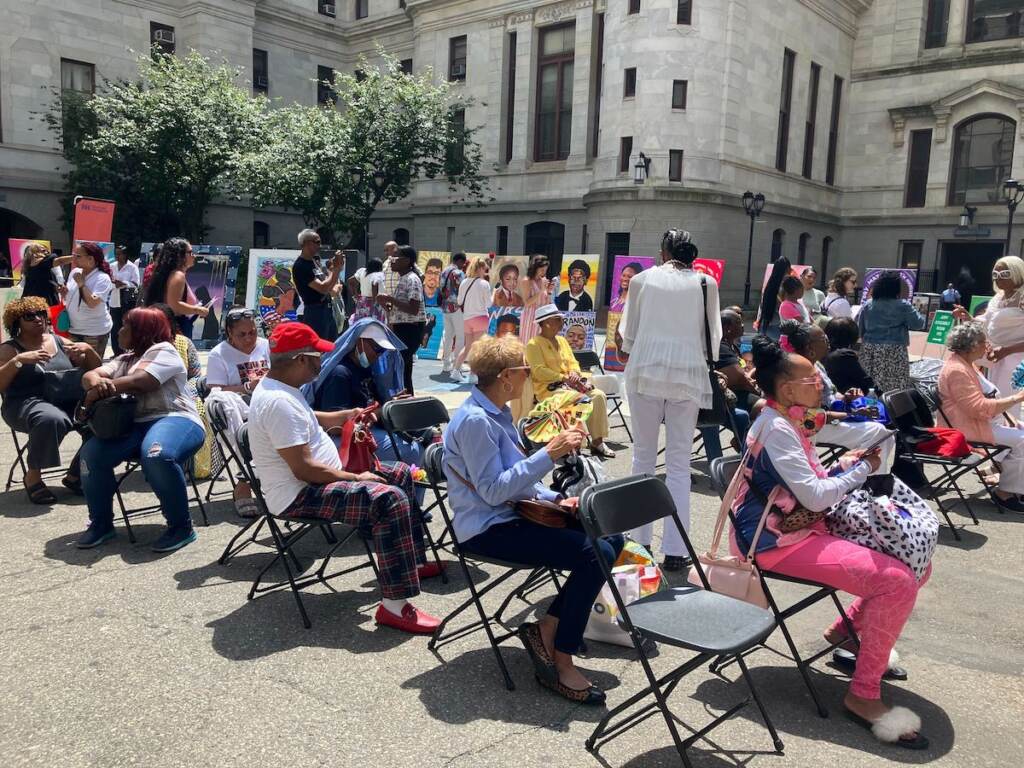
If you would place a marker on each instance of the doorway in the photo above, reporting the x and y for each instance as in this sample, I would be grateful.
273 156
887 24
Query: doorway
548 238
969 267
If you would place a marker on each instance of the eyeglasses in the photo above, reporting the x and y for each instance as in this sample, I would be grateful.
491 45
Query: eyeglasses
317 355
815 380
40 315
520 368
1001 274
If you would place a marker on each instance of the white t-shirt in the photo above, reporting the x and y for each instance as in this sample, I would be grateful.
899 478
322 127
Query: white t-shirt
280 417
172 398
129 274
86 320
475 297
227 367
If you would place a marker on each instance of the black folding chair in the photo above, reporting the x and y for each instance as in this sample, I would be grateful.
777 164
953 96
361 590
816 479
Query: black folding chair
693 619
409 415
722 471
909 413
487 622
588 360
19 463
231 465
286 532
133 464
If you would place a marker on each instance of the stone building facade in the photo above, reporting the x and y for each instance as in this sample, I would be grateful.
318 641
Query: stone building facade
867 124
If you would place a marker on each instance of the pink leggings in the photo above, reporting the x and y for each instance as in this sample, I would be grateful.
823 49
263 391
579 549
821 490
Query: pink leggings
885 588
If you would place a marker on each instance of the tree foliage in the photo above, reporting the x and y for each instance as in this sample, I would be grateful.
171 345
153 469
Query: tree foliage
384 120
162 147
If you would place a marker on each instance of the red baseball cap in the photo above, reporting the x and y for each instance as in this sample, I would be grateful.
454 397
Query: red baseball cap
291 337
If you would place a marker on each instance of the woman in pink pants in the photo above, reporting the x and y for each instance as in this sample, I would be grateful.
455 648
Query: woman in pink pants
782 456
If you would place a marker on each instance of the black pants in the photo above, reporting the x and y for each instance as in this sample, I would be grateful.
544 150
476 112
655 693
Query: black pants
320 317
117 315
46 425
410 334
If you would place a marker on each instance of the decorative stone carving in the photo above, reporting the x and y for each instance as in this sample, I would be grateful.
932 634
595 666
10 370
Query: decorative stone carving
550 13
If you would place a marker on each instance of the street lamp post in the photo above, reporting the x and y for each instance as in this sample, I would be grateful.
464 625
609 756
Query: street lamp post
753 205
1013 190
372 195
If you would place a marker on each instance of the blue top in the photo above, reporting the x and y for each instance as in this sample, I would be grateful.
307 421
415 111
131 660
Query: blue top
481 445
348 385
888 321
387 372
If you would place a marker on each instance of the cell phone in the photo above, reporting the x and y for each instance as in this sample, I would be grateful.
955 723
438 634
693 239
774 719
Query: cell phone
888 436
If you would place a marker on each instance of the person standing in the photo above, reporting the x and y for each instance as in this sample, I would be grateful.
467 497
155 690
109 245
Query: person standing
950 297
667 374
535 289
448 298
474 298
317 287
843 285
405 308
125 294
37 273
813 297
885 321
89 286
168 284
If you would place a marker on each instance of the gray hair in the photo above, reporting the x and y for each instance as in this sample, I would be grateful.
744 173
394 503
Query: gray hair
964 337
307 235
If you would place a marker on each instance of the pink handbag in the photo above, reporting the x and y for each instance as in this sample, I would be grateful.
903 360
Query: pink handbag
728 574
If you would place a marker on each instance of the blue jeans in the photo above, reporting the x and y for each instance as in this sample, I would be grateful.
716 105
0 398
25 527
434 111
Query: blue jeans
713 441
164 446
521 541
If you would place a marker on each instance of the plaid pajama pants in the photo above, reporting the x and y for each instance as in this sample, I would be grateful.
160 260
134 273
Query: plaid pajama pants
386 511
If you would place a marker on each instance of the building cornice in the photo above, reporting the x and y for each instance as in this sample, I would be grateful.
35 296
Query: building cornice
941 110
987 58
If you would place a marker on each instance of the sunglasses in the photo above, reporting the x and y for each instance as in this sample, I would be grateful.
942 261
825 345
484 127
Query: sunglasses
520 368
317 355
40 315
1001 274
241 314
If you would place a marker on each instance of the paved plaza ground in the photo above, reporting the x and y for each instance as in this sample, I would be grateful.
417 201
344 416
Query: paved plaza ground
119 656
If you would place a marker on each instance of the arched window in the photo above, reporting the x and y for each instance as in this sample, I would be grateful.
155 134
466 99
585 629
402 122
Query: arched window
260 234
982 155
826 246
778 237
547 237
801 254
401 236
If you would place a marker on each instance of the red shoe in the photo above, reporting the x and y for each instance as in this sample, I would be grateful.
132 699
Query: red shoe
430 570
412 620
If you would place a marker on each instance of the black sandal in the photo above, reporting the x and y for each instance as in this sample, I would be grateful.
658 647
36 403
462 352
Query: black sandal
75 486
847 661
543 664
591 697
40 494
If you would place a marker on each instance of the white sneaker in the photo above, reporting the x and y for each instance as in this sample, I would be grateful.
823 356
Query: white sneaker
456 375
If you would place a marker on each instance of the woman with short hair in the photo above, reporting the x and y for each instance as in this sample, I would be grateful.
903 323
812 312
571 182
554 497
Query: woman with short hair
885 321
487 471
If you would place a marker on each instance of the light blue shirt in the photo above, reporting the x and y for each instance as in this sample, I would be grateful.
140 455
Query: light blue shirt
481 445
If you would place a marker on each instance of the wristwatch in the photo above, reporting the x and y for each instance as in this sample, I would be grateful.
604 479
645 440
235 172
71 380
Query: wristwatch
18 364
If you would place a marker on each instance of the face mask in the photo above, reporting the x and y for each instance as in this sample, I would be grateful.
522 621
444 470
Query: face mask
364 361
808 421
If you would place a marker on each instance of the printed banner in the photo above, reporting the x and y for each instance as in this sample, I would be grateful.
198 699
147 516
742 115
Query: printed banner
269 286
94 220
794 269
577 285
871 275
504 320
7 295
430 347
17 250
714 268
578 330
431 263
505 274
942 324
108 249
611 349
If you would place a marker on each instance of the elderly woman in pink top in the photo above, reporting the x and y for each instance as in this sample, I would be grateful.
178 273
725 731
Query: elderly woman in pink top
968 405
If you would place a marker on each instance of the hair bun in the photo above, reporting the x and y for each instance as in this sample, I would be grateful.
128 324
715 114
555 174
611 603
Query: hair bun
766 352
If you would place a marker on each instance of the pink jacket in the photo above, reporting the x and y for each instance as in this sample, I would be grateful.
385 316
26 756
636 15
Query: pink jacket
963 401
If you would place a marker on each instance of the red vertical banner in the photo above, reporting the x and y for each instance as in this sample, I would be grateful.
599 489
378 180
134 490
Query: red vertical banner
94 220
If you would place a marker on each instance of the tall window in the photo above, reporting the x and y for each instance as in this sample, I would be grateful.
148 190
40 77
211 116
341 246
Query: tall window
325 85
684 11
595 138
629 83
625 150
778 240
501 247
679 88
982 154
260 72
675 165
77 76
457 58
406 66
634 6
917 168
510 102
812 119
547 237
456 154
833 131
936 23
994 20
801 248
554 92
162 36
260 234
785 104
910 254
362 9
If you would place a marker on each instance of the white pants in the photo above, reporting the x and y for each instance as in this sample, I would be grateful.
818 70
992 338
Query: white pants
857 435
680 417
1000 374
454 339
1011 464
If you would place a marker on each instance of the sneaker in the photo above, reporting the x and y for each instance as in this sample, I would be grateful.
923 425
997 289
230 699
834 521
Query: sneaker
675 563
456 375
412 620
173 539
93 537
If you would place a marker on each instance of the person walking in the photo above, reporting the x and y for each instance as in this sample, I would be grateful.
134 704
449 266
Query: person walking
448 299
667 379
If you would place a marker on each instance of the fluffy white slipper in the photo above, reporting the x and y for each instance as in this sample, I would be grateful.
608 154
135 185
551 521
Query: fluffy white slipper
894 723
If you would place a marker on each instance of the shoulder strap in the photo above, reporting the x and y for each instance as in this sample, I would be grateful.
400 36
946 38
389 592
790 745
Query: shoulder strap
723 512
462 304
707 327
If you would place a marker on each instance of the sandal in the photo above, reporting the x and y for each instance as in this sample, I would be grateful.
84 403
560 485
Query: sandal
247 508
891 726
847 660
40 494
592 696
74 485
543 665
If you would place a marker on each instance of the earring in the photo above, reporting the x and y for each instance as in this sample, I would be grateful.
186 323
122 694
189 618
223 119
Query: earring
506 388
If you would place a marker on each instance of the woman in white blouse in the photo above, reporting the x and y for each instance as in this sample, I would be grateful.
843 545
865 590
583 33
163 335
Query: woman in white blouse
667 373
474 299
844 283
89 286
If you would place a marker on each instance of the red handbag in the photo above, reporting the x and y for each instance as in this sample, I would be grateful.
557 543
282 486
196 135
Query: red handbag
358 448
946 442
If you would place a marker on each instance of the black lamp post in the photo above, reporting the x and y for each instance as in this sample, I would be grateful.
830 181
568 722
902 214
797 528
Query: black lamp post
1013 190
372 195
753 205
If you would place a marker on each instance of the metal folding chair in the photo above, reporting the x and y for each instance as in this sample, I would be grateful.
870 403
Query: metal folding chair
698 620
19 463
231 466
536 578
130 467
722 471
588 360
285 533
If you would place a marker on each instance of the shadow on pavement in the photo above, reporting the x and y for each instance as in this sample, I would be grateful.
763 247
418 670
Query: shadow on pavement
15 504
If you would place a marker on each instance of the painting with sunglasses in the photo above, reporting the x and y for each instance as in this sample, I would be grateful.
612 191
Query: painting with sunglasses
871 275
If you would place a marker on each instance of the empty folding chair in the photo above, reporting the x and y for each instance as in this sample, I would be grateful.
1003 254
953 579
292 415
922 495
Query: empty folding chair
588 360
286 532
231 466
487 622
722 471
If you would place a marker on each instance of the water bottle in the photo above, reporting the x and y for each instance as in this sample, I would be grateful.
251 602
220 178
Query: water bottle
872 402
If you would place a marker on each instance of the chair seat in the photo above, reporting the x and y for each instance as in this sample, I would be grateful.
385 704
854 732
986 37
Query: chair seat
794 580
970 461
702 621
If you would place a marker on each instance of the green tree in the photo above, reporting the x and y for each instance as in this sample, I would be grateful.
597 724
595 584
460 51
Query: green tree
406 126
162 147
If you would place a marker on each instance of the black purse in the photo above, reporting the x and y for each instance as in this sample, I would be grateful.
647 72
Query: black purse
62 388
110 418
720 411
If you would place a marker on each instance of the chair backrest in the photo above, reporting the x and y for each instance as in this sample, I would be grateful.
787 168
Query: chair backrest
215 412
588 359
433 461
722 471
245 451
908 410
413 414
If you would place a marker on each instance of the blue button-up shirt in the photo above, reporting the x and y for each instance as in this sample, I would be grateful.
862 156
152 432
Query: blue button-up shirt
481 445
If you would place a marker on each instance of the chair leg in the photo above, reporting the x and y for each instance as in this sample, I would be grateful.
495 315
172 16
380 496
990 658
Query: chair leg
198 498
945 513
801 665
230 551
433 550
281 548
779 746
19 461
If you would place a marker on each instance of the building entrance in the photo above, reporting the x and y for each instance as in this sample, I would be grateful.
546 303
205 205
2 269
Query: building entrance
969 267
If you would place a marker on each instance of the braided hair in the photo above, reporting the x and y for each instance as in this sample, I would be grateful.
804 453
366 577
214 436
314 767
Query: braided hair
676 244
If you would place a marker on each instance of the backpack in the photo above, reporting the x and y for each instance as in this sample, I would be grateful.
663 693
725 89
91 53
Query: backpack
444 294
